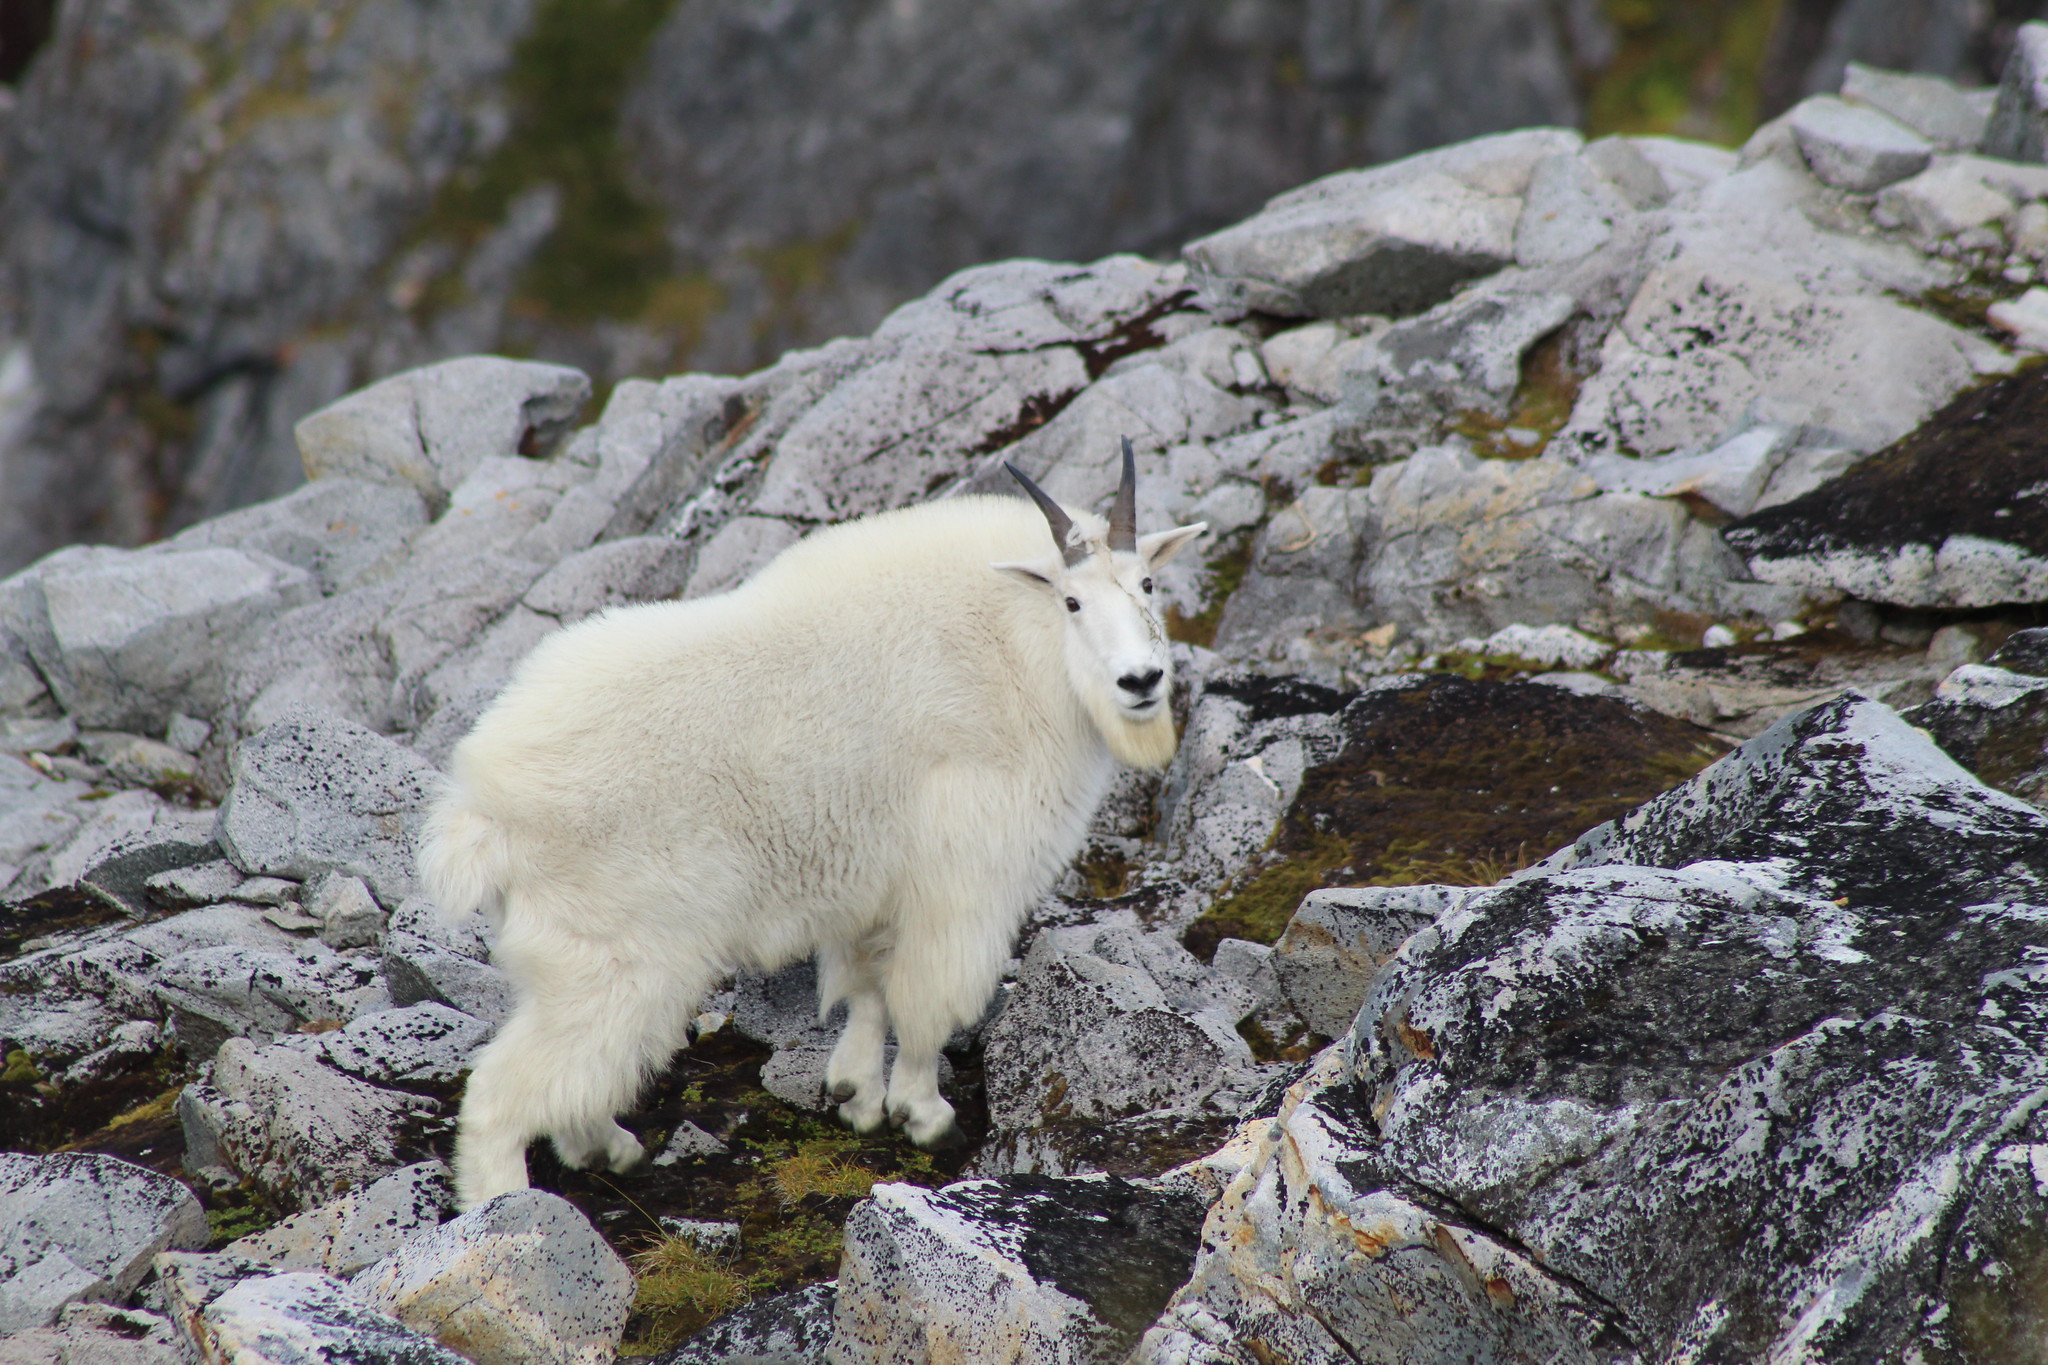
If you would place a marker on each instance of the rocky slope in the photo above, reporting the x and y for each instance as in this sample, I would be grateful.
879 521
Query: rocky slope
1551 940
215 219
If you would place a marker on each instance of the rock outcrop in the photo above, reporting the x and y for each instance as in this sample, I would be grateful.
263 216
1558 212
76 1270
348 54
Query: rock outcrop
1593 914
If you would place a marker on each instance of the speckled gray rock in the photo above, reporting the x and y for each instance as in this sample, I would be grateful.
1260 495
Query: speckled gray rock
428 428
523 1278
314 792
1339 938
302 1130
791 1328
1021 1268
304 1318
1111 1023
427 1041
212 994
344 1235
95 1334
83 1227
125 638
417 969
1392 239
1951 118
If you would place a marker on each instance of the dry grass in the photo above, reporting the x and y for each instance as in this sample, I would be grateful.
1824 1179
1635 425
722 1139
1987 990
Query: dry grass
681 1289
817 1167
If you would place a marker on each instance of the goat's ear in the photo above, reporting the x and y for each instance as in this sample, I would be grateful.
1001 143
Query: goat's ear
1042 574
1161 546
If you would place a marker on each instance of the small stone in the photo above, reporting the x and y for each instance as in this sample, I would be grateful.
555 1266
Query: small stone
268 891
348 915
363 1226
291 919
417 969
32 735
1932 107
711 1238
1719 637
187 733
300 1318
201 884
2026 317
1856 148
687 1142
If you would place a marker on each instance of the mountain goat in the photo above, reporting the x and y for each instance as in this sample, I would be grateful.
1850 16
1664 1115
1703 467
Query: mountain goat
882 749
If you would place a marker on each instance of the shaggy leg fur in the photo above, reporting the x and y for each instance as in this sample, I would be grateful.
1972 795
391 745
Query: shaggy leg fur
854 1073
574 1053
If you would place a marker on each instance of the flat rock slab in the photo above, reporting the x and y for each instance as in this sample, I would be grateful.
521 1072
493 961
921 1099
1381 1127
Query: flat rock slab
521 1280
77 1226
1021 1268
1955 514
314 793
366 1225
1743 690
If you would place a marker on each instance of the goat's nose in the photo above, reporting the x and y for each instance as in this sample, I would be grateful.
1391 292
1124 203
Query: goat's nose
1140 684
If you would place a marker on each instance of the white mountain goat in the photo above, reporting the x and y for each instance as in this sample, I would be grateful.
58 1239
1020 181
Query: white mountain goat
882 749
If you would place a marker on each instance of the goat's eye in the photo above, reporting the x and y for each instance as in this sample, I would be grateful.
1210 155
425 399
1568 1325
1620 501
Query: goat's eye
1073 605
1146 585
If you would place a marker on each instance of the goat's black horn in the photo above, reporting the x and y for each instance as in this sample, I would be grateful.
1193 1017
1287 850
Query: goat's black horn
1123 513
1055 516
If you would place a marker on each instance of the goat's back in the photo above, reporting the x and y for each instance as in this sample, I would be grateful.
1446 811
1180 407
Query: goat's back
873 698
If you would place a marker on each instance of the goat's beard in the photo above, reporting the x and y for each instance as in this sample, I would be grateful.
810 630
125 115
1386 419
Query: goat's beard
1147 743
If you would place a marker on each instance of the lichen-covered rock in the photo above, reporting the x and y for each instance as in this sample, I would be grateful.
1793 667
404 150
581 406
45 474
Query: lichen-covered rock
424 1042
344 1235
1023 1268
791 1328
304 1318
1993 717
1700 1026
420 969
314 793
302 1130
95 1334
1107 1024
1971 536
523 1278
77 1226
213 994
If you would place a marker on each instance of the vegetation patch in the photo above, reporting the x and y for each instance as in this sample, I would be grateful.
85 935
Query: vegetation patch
1541 405
1692 70
1455 781
788 1177
608 255
1222 578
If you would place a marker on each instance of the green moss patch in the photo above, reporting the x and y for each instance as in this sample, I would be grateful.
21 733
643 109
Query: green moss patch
608 255
1692 70
1541 405
1455 781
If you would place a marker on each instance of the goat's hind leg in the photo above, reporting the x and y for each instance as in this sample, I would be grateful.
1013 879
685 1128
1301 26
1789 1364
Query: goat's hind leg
853 1074
574 1053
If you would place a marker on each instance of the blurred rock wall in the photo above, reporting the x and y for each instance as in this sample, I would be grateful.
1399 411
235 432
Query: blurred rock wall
218 215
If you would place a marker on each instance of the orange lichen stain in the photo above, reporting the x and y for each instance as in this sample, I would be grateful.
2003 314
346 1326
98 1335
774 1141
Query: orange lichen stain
1264 1353
1500 1291
1415 1040
1375 1241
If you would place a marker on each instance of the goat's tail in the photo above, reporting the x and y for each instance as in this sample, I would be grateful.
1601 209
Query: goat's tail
464 860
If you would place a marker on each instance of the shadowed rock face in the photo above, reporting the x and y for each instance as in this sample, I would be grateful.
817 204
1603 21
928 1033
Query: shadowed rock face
1953 515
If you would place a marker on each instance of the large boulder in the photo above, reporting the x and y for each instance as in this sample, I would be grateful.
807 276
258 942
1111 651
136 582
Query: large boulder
77 1227
1748 1069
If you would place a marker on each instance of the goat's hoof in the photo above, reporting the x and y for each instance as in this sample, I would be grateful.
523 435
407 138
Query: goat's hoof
842 1091
945 1140
859 1118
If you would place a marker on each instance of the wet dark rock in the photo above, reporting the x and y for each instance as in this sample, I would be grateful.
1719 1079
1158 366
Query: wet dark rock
1951 515
792 1328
